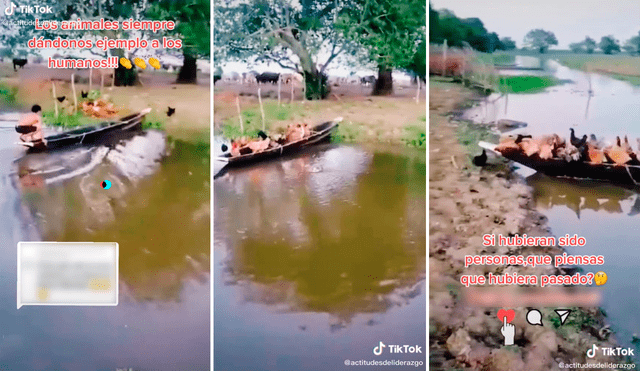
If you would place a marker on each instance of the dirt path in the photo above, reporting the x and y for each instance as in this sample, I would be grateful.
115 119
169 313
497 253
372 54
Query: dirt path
465 203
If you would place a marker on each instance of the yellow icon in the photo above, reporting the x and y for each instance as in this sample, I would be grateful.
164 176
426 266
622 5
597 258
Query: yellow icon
153 62
140 63
600 278
43 294
125 63
100 284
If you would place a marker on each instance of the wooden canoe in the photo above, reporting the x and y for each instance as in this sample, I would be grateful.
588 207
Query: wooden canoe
319 133
90 134
618 174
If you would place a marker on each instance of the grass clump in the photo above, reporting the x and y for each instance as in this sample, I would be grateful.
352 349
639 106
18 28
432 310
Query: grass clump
525 84
416 136
8 94
66 120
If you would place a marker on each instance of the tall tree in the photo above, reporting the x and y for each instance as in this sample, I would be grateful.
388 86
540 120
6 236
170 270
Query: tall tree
508 43
193 20
608 45
390 30
632 46
589 45
291 34
540 39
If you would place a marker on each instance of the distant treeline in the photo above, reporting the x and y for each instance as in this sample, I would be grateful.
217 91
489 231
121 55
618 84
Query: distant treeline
444 25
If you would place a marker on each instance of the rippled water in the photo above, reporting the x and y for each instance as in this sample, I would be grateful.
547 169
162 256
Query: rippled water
158 212
318 258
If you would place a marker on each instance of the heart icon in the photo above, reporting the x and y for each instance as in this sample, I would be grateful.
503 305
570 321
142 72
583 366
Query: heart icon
510 314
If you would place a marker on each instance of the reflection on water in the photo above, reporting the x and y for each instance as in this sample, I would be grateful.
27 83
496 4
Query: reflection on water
157 210
580 195
327 247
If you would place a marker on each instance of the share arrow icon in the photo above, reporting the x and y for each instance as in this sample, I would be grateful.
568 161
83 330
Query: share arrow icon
563 314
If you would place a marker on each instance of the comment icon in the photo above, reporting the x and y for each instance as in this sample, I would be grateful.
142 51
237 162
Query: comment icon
534 317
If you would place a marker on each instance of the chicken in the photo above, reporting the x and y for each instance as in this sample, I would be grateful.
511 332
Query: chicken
508 148
595 155
617 154
259 145
530 147
295 132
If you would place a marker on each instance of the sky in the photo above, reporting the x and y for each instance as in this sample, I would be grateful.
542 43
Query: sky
569 20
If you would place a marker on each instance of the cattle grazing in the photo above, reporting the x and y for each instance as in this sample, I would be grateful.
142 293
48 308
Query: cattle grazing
368 80
265 77
18 62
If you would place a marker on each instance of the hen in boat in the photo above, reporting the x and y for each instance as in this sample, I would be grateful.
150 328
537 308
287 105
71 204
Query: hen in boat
575 141
617 154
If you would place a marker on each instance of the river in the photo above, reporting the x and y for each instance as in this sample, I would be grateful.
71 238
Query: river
158 212
320 257
606 215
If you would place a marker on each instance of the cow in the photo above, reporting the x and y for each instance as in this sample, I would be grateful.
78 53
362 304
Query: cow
368 80
216 78
18 62
265 77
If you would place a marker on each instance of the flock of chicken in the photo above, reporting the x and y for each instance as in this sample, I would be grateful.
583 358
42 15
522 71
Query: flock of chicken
99 108
589 149
244 145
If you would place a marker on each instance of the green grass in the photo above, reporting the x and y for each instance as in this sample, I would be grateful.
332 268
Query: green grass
525 84
347 132
416 136
65 120
252 119
8 94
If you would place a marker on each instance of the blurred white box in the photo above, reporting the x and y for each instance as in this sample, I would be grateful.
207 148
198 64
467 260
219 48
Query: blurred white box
68 273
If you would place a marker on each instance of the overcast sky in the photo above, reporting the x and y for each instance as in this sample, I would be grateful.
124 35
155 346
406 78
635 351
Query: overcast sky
569 20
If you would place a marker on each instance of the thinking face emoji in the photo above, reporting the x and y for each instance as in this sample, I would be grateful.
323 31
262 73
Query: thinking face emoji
600 278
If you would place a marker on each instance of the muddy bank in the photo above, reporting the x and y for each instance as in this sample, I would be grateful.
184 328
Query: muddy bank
466 202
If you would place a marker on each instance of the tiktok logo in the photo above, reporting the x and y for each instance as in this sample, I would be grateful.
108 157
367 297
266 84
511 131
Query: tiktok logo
10 9
378 350
592 352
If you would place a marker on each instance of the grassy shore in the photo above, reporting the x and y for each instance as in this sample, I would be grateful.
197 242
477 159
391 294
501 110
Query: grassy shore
620 66
366 120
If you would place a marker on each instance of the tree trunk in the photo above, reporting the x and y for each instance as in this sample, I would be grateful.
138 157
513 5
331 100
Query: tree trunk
316 86
384 83
122 75
189 71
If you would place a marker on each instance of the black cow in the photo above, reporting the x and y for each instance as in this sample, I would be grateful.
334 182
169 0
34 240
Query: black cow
216 78
18 62
368 80
265 77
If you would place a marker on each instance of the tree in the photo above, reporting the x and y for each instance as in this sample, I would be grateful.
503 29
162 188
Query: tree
577 47
540 39
589 45
608 45
633 44
291 34
508 43
193 21
390 30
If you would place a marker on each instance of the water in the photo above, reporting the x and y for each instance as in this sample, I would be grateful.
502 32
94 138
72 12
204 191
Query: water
158 212
318 258
606 215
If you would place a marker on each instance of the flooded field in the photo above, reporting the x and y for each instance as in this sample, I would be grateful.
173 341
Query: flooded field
318 258
158 185
606 215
